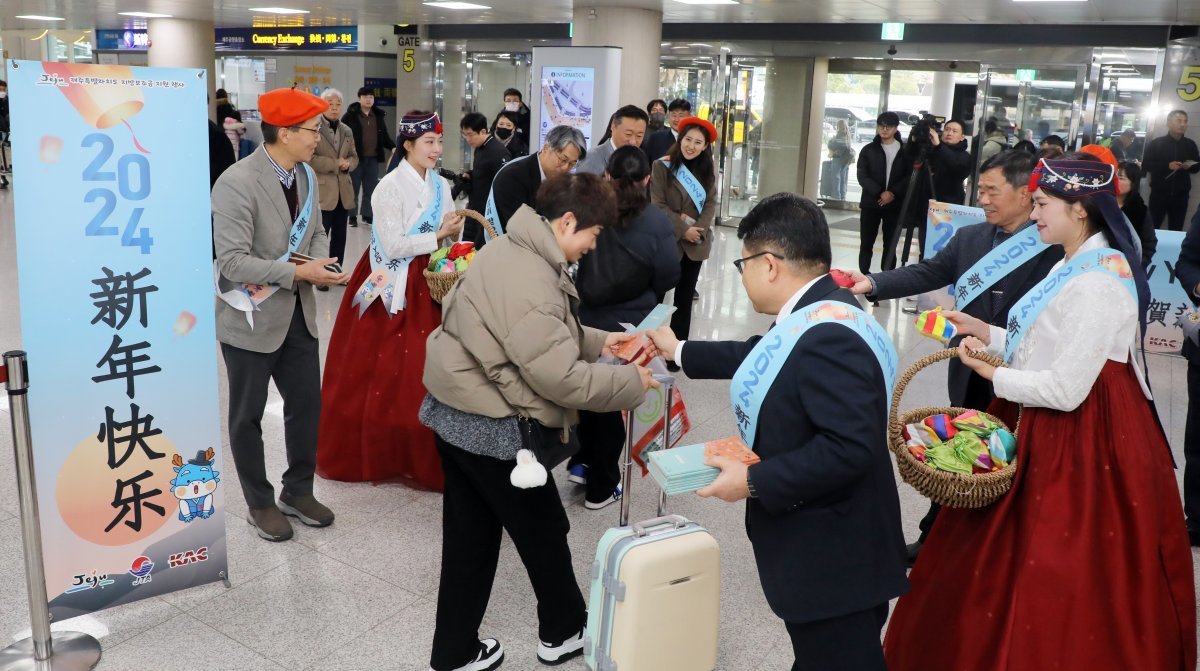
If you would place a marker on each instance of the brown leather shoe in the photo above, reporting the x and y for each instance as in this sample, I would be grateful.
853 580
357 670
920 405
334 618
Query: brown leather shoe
306 508
270 524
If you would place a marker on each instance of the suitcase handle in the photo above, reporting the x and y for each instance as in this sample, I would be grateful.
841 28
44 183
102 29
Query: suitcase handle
643 528
668 386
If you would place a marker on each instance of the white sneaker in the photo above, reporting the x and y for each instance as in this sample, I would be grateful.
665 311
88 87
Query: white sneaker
491 655
553 655
616 496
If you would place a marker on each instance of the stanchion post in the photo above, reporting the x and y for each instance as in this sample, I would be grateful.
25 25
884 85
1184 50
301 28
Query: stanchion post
75 650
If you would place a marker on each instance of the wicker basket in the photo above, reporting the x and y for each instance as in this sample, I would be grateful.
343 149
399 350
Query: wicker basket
953 490
441 283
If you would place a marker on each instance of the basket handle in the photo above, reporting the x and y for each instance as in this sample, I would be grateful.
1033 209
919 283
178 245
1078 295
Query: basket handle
483 221
924 362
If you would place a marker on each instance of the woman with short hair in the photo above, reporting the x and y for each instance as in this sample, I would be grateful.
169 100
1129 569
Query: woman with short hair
510 367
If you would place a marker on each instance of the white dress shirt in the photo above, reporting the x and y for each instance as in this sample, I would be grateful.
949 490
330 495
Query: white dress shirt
788 307
398 202
1091 321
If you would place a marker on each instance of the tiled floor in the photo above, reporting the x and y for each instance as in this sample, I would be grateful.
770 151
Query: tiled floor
360 595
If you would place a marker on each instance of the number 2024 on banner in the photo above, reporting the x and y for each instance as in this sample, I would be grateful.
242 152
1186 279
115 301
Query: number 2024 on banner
132 179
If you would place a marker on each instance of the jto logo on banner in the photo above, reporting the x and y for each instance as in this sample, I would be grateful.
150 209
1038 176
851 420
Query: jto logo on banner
115 274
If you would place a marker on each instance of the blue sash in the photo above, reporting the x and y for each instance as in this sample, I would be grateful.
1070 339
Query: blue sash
1004 258
691 185
758 372
248 297
490 212
390 276
1026 311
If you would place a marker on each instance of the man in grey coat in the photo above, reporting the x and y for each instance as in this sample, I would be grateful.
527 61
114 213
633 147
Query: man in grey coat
628 126
265 212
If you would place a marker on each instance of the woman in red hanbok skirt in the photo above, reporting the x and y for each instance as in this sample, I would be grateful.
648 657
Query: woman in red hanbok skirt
372 387
1085 564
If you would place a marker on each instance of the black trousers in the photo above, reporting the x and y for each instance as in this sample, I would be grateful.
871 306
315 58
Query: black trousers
689 275
334 222
845 643
1191 450
1172 206
869 222
601 439
367 176
296 369
479 502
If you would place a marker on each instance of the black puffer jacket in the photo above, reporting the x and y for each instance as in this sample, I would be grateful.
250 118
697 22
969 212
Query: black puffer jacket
951 164
872 175
353 118
650 238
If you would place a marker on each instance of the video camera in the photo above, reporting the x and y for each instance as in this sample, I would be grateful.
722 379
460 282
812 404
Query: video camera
921 125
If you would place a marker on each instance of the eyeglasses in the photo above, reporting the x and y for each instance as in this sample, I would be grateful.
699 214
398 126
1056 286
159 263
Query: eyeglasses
316 131
562 158
740 263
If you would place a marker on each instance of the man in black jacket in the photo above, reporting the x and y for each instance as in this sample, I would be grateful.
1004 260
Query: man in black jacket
949 164
1171 161
1187 270
372 141
658 143
1006 202
490 155
883 173
823 514
517 182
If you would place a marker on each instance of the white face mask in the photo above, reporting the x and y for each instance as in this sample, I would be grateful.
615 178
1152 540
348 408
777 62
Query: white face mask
512 107
3 95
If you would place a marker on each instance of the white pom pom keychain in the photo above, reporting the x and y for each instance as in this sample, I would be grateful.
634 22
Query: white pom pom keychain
529 472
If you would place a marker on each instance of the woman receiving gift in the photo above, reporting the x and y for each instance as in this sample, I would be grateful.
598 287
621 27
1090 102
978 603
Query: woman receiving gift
1084 563
684 186
372 387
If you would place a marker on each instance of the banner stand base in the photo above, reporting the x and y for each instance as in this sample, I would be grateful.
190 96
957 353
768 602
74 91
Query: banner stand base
73 651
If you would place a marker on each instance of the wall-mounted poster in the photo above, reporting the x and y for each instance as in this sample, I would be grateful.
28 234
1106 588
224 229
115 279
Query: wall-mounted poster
566 95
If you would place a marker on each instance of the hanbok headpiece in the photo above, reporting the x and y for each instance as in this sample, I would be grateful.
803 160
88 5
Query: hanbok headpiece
413 126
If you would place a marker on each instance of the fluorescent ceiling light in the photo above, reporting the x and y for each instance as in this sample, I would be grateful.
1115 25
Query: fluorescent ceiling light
1049 0
707 2
455 5
145 15
36 17
278 10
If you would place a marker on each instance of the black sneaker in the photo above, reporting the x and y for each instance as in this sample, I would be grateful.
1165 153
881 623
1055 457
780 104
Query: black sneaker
910 553
491 656
553 654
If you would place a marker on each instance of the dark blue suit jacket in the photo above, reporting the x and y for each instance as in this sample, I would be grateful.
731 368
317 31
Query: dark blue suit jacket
826 523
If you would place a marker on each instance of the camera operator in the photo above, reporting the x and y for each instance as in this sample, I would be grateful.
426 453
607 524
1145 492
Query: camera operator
947 160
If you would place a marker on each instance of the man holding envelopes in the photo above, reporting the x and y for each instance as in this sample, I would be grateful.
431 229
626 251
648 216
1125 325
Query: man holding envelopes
811 399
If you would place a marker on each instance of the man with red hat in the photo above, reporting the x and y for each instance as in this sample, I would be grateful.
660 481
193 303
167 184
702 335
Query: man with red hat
271 251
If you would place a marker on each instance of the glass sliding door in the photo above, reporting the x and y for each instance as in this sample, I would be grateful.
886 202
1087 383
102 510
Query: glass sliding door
852 101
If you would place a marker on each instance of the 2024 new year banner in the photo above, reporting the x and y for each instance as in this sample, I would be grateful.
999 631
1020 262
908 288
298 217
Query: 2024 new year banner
116 302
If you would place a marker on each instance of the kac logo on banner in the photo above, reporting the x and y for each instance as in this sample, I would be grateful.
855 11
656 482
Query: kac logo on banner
1168 299
117 320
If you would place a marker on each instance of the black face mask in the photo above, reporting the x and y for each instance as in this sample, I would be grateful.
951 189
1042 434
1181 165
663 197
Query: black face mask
504 133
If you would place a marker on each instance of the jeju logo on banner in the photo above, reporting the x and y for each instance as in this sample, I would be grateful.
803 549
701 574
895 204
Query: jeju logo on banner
115 275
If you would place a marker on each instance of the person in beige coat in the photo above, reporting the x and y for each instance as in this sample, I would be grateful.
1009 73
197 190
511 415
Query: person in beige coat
511 346
683 184
333 161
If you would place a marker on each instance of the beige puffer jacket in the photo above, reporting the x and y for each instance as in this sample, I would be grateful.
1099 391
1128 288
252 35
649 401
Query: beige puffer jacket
511 343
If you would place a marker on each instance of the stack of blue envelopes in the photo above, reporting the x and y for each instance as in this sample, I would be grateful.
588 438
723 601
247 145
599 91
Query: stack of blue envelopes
681 469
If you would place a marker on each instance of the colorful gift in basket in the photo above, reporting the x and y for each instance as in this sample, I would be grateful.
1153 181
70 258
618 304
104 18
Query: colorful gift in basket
956 457
447 264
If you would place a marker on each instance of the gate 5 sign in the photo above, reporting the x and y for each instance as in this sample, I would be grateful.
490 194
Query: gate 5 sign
115 274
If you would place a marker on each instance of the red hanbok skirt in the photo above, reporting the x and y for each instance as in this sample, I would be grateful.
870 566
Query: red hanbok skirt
1083 565
372 389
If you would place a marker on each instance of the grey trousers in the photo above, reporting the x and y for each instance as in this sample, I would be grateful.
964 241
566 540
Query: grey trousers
296 369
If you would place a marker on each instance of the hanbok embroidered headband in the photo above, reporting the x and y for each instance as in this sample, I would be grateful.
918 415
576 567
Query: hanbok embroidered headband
413 126
1074 179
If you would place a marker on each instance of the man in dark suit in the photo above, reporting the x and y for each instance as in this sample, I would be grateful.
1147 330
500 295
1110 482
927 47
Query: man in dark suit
1006 201
1187 270
490 155
517 182
659 142
823 514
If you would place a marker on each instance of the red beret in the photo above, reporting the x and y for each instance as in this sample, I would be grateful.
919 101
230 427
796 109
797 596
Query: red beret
705 126
289 107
